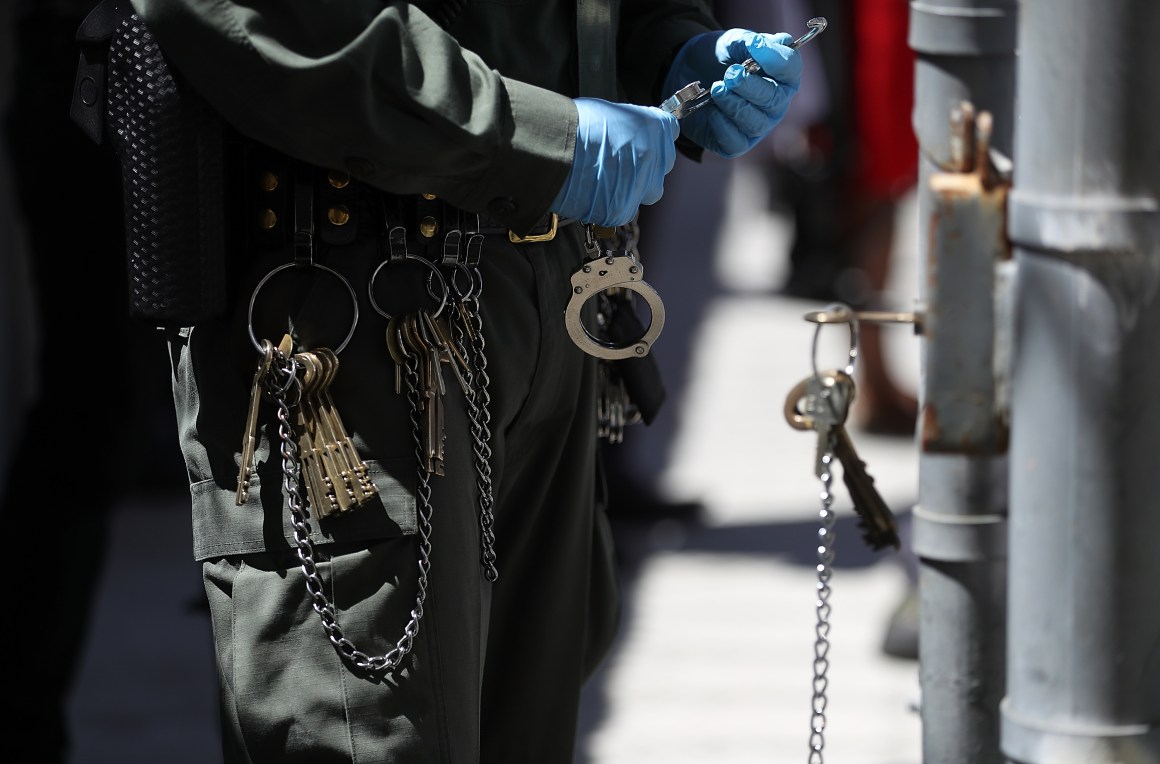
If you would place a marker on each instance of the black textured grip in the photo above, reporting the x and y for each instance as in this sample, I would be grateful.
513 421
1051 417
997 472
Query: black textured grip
170 145
641 375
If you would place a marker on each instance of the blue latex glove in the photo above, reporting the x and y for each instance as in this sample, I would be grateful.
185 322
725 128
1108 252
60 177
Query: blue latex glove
623 153
746 107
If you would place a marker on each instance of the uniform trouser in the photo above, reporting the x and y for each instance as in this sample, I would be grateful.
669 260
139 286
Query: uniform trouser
495 671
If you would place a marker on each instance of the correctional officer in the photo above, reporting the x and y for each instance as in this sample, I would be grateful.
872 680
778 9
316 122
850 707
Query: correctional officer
453 612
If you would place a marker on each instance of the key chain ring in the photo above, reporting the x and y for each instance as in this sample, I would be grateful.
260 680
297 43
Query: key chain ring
835 313
435 274
273 272
452 284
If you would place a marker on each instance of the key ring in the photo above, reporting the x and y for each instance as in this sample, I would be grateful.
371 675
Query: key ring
311 264
434 277
835 313
461 294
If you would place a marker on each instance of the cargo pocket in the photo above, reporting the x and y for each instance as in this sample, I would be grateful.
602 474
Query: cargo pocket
288 693
263 523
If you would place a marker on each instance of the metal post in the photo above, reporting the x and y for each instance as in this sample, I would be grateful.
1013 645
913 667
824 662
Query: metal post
1083 671
966 52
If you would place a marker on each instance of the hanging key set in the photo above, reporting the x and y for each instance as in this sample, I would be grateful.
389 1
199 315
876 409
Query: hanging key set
321 468
820 403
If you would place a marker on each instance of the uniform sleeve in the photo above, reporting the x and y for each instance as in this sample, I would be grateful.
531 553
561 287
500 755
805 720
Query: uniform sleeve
651 31
378 89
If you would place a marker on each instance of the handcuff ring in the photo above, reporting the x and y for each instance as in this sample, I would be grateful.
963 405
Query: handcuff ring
597 276
279 269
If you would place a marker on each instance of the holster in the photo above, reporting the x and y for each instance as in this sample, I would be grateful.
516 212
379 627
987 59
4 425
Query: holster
641 375
171 147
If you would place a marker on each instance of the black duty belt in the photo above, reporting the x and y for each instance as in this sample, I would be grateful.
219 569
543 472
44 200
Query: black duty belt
346 209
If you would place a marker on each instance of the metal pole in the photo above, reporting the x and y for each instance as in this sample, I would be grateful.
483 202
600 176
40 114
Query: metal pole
1083 671
965 52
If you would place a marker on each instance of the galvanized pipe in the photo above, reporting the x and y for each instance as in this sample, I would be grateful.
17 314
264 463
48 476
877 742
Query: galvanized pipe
1083 671
965 52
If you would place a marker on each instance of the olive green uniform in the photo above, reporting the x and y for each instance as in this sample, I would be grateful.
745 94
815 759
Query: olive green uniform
480 116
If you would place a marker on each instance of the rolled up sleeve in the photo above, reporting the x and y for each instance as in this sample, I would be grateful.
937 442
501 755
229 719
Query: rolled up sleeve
379 90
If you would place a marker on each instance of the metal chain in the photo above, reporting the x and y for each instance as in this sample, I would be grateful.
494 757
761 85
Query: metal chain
826 539
299 518
471 340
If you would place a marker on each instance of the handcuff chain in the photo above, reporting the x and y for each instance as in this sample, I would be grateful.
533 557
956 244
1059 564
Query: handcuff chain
299 518
826 539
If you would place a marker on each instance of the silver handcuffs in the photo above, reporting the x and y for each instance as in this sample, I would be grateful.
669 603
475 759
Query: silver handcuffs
612 268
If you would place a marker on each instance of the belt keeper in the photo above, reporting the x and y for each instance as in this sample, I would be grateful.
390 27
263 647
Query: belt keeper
451 246
474 250
397 243
304 220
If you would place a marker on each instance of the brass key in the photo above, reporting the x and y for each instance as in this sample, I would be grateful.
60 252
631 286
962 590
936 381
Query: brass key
439 334
250 439
363 486
340 474
430 389
821 403
323 484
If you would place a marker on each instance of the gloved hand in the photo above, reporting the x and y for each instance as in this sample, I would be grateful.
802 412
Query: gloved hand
623 153
746 107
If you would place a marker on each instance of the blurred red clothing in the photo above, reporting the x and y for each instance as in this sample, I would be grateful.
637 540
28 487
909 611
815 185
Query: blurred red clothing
883 91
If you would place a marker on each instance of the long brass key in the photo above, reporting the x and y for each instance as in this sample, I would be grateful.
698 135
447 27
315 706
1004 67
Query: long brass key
339 474
429 393
363 486
821 403
323 485
250 438
439 334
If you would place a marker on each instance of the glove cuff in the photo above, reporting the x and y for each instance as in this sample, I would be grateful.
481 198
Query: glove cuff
691 62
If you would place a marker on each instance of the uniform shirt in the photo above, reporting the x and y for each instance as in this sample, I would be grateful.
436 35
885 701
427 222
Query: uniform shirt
479 115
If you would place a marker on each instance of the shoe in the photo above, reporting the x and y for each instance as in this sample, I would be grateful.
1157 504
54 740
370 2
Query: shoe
901 640
643 506
632 498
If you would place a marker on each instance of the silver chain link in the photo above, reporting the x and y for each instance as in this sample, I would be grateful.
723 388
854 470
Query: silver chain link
299 518
826 539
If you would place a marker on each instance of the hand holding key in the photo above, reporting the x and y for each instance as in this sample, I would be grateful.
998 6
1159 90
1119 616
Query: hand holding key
821 403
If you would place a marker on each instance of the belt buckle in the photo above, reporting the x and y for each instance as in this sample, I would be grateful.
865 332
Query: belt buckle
533 238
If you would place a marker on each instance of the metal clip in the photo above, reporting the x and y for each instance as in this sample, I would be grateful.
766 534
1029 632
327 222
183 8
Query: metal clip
840 314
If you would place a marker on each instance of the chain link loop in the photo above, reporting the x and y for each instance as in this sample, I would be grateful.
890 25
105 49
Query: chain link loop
826 539
287 368
469 337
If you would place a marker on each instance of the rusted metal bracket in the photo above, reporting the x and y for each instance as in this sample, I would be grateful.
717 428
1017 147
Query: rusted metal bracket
965 317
